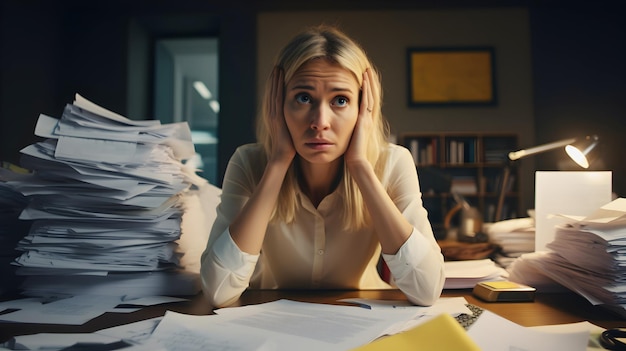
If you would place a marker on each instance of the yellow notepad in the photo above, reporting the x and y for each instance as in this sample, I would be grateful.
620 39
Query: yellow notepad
440 333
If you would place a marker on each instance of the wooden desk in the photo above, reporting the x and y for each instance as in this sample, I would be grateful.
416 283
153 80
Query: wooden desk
554 308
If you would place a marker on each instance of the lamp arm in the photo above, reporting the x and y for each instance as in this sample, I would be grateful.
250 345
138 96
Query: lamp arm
502 192
516 155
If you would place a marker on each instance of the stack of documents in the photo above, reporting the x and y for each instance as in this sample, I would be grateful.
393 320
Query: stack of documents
515 237
105 200
588 256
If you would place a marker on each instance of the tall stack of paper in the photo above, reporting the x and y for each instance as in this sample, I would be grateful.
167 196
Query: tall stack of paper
588 256
106 205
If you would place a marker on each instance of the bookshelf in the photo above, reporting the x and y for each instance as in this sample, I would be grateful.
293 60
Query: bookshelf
470 164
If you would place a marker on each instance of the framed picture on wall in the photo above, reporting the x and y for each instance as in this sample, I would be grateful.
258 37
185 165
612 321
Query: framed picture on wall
451 76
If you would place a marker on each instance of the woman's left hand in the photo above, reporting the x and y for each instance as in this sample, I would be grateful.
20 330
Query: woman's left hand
357 150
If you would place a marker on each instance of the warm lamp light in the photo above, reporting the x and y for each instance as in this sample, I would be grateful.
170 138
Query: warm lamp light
582 151
578 150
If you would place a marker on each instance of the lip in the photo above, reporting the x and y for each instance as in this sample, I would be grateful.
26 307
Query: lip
318 143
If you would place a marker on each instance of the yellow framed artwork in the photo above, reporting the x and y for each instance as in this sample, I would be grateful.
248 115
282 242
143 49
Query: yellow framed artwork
451 76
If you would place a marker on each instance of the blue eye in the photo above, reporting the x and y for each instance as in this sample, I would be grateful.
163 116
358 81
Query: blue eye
340 101
303 98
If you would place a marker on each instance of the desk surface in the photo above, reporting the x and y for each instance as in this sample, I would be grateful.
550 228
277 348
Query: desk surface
553 308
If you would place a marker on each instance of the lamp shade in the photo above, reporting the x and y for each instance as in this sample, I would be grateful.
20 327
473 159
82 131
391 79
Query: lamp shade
582 151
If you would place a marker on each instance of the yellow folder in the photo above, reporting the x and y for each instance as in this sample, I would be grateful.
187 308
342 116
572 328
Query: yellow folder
440 333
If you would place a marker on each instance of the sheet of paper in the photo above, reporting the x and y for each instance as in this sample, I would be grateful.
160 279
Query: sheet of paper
452 306
151 300
494 333
465 274
449 305
613 212
73 311
290 325
32 302
82 149
138 332
58 341
180 332
82 102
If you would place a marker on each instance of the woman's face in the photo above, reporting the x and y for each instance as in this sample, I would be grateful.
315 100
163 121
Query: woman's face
321 109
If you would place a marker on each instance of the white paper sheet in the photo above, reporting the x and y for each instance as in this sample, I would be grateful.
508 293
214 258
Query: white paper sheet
285 325
494 333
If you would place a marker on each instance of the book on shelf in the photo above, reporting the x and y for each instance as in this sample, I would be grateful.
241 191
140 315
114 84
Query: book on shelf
453 152
463 185
423 150
461 151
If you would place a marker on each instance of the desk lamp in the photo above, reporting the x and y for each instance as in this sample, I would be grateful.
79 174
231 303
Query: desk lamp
579 150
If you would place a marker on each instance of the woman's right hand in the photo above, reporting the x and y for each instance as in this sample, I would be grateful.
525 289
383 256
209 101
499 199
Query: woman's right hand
282 144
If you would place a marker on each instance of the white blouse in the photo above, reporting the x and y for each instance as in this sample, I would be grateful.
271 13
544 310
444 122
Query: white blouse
314 252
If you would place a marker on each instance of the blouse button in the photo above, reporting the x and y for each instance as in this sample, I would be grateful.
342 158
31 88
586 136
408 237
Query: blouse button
320 252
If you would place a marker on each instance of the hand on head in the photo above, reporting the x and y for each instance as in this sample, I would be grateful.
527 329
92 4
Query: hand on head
282 144
357 151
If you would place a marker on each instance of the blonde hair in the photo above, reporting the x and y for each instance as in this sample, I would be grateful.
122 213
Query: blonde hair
329 43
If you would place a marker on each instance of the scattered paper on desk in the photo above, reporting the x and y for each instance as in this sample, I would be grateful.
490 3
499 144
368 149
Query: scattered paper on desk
59 341
289 325
465 274
72 311
494 333
129 337
31 302
137 332
453 306
180 332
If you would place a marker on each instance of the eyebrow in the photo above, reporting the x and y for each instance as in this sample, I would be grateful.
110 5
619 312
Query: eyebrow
310 87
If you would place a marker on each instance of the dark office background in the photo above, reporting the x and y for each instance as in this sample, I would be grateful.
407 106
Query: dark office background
49 50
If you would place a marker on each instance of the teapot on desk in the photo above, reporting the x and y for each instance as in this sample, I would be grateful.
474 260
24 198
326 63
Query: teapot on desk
470 227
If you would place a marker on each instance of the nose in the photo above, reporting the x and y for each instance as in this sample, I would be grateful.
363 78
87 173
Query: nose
320 117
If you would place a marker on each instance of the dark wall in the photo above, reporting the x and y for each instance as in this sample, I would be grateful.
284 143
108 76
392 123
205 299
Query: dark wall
50 50
29 73
579 63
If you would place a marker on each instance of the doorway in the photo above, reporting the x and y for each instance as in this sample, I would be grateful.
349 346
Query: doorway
186 90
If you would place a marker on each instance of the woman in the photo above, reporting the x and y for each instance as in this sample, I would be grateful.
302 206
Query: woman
316 201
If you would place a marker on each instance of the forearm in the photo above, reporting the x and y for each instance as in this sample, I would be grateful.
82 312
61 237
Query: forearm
248 228
418 271
225 271
391 226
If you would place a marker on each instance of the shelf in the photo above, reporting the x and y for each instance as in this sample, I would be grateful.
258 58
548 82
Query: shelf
468 164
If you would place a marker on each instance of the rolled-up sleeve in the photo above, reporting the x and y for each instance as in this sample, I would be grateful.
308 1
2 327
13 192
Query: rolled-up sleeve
418 269
226 271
